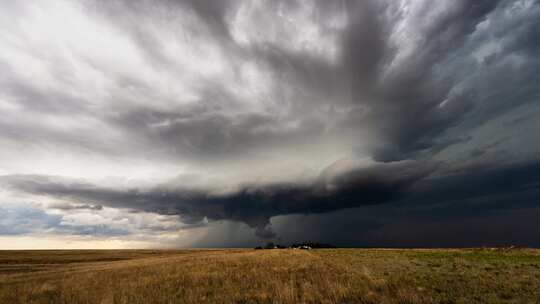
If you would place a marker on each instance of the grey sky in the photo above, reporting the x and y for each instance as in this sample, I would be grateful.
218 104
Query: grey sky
202 123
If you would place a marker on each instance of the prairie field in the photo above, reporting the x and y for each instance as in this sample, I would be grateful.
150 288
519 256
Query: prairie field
271 276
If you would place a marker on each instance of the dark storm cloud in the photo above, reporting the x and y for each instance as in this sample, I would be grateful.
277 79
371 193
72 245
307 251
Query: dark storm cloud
408 90
481 190
406 94
263 94
339 186
489 206
406 77
390 226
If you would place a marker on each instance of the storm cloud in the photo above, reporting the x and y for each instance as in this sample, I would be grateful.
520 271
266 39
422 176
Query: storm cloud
338 187
257 111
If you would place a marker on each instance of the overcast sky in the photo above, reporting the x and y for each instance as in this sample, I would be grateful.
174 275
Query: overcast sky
128 124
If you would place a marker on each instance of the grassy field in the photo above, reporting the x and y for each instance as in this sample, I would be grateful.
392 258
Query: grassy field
271 276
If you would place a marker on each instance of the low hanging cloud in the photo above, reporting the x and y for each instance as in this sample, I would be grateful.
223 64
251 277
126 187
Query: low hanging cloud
341 185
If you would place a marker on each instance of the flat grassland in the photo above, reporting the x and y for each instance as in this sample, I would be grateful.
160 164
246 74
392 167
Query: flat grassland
271 276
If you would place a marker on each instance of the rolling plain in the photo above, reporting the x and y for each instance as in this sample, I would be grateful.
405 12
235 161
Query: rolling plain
487 275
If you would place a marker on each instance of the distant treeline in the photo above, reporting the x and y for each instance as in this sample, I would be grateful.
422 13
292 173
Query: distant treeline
314 245
311 245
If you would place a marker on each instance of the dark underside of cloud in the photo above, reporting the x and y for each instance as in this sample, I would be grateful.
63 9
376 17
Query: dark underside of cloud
462 209
338 187
439 98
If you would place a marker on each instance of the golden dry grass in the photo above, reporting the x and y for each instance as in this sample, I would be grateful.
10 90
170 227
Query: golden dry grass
271 276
